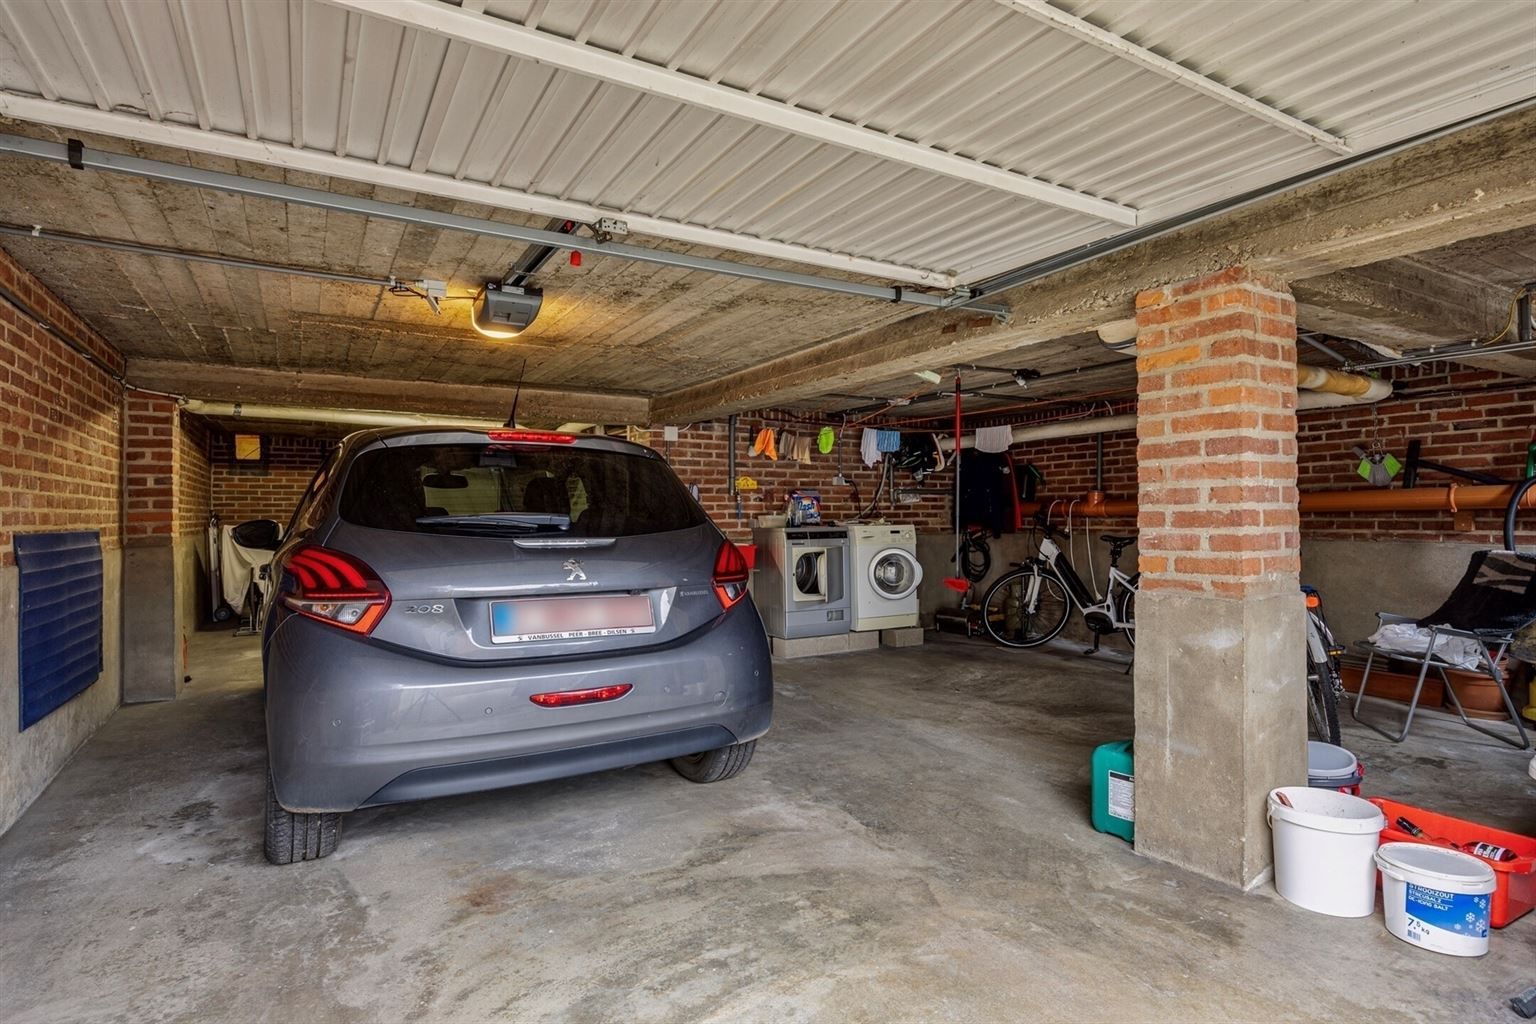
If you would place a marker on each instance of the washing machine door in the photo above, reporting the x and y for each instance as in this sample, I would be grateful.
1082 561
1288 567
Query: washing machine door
894 573
810 574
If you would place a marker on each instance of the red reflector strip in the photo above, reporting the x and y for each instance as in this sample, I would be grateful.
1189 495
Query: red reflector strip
565 698
530 437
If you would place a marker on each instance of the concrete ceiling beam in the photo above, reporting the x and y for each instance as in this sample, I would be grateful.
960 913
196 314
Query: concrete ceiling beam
538 405
1480 181
1407 305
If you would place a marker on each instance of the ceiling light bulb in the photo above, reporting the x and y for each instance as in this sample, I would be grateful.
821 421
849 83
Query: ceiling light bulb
499 333
502 311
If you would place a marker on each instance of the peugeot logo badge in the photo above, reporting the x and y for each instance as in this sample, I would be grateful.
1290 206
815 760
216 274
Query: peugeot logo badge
575 571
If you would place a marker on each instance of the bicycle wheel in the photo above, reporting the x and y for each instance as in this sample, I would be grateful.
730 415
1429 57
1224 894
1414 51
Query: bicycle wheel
1026 607
1128 609
1322 701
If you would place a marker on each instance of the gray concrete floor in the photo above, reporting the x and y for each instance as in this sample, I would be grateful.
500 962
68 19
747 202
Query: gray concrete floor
911 842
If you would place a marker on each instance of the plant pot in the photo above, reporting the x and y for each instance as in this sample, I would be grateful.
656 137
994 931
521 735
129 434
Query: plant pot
1478 694
1396 686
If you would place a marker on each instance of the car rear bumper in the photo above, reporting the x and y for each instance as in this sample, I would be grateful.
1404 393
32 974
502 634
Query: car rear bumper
353 723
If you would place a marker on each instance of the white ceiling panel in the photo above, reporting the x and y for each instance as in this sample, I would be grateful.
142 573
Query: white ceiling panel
981 86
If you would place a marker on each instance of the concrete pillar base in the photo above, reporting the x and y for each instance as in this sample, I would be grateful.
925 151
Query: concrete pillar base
151 635
1220 721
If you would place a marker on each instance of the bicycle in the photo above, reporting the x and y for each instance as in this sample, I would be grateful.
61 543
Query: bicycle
1325 684
1030 604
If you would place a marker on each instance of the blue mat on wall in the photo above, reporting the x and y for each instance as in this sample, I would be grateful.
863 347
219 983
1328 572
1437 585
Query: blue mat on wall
60 629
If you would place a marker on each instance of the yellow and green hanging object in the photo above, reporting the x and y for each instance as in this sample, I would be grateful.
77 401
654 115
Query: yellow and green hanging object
1378 466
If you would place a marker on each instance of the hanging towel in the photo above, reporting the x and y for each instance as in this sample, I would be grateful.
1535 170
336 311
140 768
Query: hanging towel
993 439
764 445
869 448
888 440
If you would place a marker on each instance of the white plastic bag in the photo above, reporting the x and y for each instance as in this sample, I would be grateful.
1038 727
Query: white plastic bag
1406 638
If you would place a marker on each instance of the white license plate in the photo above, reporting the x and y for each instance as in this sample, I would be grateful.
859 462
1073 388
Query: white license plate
530 620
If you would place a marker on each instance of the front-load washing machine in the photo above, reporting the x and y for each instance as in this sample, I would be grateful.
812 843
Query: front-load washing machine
885 576
802 580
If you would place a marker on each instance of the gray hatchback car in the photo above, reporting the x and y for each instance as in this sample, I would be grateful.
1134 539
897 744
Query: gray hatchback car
460 610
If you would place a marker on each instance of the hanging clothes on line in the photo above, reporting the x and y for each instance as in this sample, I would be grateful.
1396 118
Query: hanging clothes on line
869 446
994 439
888 440
764 444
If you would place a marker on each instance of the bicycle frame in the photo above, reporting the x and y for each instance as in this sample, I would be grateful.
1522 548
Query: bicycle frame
1086 600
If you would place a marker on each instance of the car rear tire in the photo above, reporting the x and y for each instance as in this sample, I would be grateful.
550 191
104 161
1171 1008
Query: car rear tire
296 837
715 765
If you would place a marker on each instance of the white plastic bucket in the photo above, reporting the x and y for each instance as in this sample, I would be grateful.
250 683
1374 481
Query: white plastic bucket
1436 898
1330 766
1325 842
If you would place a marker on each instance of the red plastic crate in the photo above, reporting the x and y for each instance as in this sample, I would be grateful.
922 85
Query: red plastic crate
1516 879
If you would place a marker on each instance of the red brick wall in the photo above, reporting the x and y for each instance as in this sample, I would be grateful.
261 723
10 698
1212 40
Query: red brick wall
699 457
149 436
60 460
1471 419
1216 424
1483 422
1068 467
194 475
268 491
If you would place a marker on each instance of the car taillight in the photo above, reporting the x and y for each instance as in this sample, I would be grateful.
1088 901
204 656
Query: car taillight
731 575
335 588
566 698
530 437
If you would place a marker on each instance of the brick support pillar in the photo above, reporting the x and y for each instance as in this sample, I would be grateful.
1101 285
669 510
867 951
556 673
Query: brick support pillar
152 632
1220 659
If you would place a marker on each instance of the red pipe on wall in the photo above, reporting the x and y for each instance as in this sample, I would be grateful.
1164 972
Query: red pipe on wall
1411 499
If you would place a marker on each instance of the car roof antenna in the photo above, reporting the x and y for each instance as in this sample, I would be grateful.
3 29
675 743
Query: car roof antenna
512 416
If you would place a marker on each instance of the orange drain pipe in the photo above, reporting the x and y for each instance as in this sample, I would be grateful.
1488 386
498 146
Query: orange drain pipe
1412 499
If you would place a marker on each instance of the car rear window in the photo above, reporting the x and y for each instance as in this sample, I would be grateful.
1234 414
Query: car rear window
584 492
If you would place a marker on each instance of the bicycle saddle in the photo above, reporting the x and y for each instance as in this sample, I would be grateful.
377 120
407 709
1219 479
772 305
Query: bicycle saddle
1109 538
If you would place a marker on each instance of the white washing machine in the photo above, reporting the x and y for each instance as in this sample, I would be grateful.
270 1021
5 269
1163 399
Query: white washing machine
885 575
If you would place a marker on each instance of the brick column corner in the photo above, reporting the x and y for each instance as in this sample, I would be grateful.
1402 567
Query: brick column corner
152 620
150 429
1216 436
1220 659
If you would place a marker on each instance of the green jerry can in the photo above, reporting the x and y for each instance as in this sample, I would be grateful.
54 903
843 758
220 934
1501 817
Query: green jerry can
1114 790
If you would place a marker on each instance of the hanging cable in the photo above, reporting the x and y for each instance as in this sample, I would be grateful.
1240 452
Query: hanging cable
975 556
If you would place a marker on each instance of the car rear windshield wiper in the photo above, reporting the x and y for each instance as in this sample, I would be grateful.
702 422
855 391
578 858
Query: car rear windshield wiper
494 521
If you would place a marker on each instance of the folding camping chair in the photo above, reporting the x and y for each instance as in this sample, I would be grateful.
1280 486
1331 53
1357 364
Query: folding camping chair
1495 599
